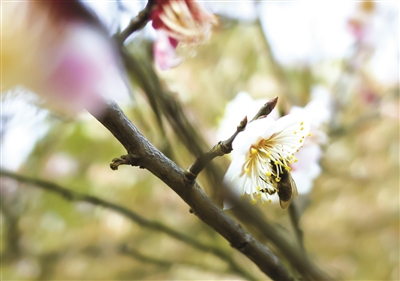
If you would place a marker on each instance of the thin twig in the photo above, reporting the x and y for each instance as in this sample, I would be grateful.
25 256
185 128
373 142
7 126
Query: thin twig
154 225
225 147
220 149
266 108
136 23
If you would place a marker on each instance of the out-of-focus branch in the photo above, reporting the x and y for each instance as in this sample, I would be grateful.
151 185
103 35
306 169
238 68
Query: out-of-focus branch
154 225
225 147
294 219
129 251
147 156
136 23
143 258
355 125
244 212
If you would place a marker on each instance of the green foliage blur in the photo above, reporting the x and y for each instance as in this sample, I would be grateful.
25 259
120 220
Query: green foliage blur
350 219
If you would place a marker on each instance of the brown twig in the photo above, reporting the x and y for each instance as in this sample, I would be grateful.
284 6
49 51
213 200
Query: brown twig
266 108
136 23
225 147
220 149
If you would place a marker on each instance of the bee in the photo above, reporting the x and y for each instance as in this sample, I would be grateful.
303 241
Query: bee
266 190
287 189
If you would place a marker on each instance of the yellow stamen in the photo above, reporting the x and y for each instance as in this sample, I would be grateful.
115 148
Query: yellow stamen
277 179
296 160
253 202
268 174
309 135
301 123
295 132
253 151
269 201
247 170
259 195
263 204
301 140
302 128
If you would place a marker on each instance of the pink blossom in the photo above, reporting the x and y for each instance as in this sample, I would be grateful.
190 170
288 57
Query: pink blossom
164 52
57 51
180 21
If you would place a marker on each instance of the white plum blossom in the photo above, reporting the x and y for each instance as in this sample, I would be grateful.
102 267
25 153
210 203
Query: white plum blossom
262 153
318 111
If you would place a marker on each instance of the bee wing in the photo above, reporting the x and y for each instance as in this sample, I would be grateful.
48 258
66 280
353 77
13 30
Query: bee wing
285 204
295 193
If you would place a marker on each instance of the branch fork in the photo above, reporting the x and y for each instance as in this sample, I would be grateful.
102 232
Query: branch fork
225 147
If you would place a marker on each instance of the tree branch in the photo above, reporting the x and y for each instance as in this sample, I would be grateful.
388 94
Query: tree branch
71 195
220 149
245 212
162 101
136 23
147 156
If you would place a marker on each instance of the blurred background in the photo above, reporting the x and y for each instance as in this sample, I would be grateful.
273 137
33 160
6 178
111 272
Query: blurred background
344 53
